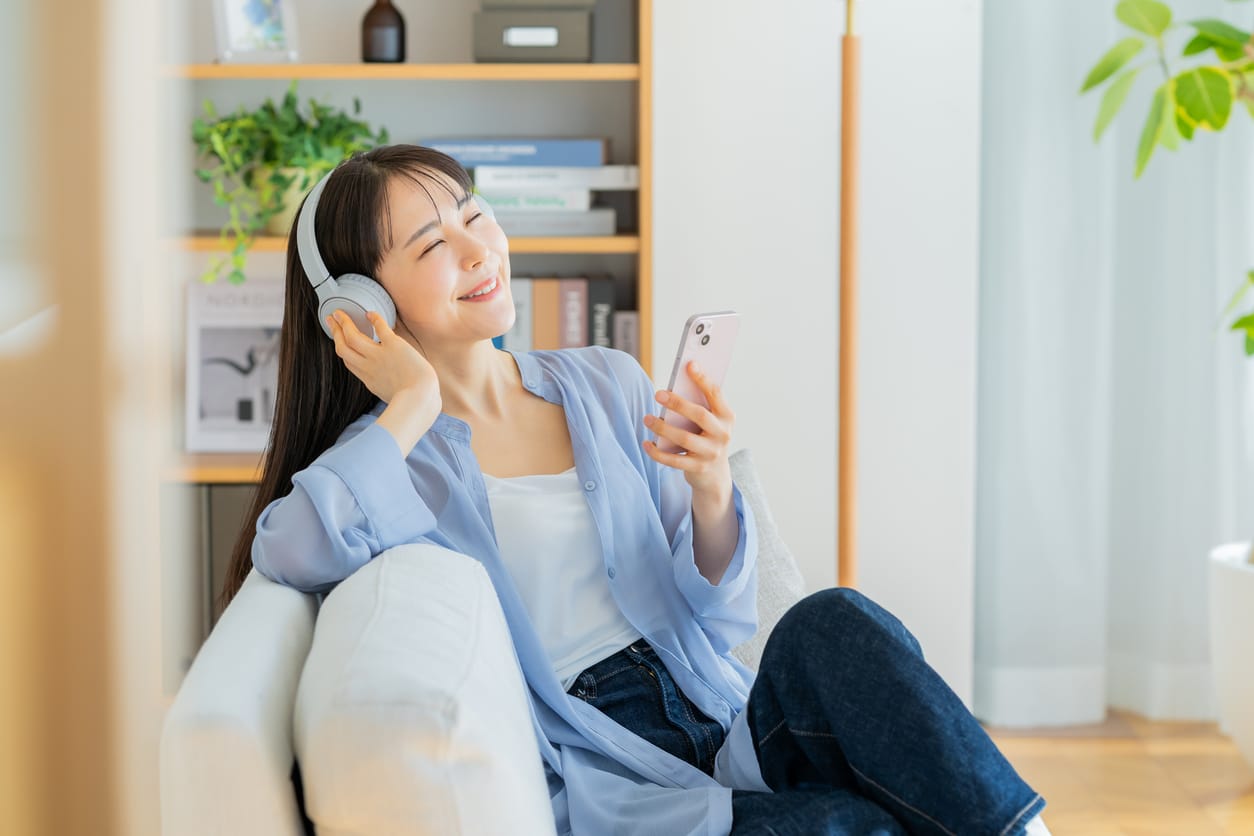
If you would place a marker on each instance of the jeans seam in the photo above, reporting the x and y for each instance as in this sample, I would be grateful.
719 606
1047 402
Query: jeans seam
1021 814
762 742
796 733
599 678
706 750
679 726
900 801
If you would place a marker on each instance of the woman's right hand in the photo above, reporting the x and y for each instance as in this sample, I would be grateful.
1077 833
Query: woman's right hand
394 372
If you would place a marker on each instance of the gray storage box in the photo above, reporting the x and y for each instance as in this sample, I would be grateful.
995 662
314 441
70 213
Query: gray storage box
533 36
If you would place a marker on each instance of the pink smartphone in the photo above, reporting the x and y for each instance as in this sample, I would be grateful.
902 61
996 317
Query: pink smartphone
708 338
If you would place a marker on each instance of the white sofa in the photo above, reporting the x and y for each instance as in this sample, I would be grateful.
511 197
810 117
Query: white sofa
1232 642
401 698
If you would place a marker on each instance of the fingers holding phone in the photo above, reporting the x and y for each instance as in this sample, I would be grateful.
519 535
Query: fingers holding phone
694 429
707 421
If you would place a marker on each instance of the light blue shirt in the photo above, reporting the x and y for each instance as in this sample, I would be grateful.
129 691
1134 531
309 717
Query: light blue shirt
363 496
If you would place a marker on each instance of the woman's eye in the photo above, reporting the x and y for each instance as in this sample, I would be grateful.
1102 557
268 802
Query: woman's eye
476 216
431 247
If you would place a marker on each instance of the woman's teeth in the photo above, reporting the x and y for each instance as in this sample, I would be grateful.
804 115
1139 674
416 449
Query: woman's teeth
487 289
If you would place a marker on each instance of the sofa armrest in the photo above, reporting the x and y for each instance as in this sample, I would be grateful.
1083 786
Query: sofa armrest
412 714
226 743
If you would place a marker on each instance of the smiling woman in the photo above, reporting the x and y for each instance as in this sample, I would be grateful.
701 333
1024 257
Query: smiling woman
626 574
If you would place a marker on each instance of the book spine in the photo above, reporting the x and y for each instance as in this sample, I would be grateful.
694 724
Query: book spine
553 200
578 153
518 338
506 178
599 221
601 311
545 313
574 313
627 332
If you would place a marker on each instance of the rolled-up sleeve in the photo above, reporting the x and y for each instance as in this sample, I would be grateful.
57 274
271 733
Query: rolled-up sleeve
354 502
726 611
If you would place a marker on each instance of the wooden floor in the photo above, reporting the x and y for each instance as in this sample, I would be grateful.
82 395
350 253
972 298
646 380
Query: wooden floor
1130 776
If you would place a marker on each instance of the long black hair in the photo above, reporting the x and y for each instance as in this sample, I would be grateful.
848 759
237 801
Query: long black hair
318 397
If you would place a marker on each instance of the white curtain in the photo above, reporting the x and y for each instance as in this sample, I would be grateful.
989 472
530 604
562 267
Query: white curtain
1116 419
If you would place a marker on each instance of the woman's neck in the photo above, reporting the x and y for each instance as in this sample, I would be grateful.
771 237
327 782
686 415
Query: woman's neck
477 384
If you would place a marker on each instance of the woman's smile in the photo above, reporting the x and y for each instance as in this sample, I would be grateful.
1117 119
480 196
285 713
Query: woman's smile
489 289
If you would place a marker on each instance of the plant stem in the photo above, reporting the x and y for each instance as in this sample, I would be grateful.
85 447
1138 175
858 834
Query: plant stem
1162 56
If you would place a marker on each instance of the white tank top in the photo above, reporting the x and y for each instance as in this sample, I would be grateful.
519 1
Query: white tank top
549 543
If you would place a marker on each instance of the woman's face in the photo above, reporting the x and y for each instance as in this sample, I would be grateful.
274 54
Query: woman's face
444 248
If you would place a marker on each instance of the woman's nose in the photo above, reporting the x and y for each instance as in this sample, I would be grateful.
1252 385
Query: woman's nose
476 254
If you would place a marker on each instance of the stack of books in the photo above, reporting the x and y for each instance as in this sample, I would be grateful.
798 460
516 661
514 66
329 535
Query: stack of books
543 187
557 313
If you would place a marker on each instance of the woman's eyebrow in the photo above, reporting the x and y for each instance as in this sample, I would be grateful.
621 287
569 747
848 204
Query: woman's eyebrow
432 225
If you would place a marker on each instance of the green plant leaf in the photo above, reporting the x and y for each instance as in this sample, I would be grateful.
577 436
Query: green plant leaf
1152 131
1245 323
1198 45
1169 138
1221 32
1183 125
1205 94
1113 61
1148 16
1239 295
1113 100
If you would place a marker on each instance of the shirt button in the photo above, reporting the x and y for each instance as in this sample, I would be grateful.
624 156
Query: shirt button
589 485
531 383
611 573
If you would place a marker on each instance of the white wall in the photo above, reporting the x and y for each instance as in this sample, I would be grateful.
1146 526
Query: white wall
746 191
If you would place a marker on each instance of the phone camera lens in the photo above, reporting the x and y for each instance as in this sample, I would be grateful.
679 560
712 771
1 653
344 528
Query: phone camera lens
705 339
700 327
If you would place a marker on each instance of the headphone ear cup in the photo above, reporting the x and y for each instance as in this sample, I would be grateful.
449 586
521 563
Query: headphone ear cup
355 295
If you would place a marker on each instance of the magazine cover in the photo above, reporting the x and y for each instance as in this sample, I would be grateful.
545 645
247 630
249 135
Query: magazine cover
232 364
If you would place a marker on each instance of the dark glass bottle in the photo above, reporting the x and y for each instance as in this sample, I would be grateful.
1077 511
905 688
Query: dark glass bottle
383 34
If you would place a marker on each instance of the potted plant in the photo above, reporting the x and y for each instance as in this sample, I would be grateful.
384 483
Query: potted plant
263 160
1204 96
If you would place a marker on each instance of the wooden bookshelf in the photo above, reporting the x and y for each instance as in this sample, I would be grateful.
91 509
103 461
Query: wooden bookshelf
411 72
237 468
214 468
210 242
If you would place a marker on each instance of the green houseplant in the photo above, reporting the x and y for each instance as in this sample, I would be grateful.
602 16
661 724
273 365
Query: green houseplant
1200 97
262 161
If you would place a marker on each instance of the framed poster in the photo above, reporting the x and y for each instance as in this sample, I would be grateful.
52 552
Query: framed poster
232 364
255 31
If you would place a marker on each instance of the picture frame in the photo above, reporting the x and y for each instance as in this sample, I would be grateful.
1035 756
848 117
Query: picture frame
255 31
232 361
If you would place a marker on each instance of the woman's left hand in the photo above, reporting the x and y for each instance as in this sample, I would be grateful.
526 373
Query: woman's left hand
705 466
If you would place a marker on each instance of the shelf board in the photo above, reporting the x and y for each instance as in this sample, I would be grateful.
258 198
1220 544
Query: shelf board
431 72
214 468
209 242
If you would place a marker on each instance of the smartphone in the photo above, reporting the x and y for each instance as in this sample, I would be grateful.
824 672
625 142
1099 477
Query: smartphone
708 338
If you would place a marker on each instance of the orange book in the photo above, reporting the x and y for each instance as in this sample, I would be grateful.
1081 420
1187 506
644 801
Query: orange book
546 325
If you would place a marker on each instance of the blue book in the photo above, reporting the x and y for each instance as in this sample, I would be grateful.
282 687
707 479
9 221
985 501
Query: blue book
505 151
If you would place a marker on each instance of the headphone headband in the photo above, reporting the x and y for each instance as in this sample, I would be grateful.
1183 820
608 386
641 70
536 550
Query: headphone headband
306 241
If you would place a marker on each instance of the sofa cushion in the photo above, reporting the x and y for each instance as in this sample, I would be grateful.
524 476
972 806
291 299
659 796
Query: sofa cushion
410 715
780 584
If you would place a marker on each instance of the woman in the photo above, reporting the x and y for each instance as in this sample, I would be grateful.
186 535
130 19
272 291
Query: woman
626 574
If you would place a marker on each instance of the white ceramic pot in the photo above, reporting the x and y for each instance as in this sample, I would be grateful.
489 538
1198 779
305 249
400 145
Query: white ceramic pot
1232 642
281 223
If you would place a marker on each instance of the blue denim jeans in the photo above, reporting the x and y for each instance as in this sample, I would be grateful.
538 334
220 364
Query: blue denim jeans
854 731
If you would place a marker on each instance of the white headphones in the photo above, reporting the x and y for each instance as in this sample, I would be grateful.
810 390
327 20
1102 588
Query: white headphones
352 293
